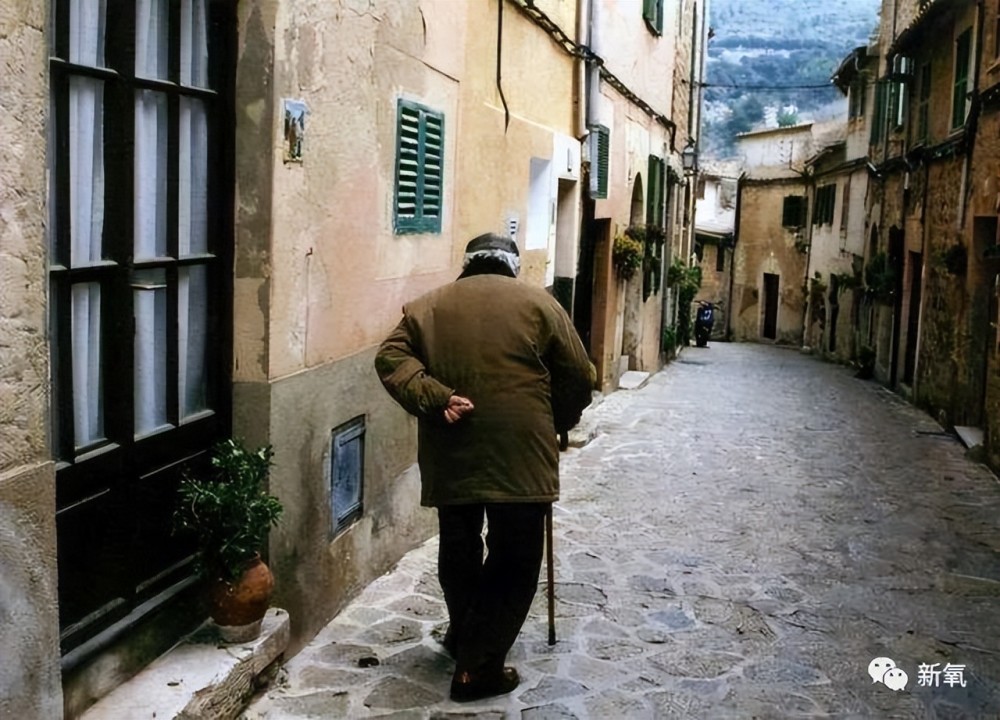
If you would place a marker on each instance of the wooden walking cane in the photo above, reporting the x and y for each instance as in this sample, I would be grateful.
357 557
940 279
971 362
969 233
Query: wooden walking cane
550 555
552 582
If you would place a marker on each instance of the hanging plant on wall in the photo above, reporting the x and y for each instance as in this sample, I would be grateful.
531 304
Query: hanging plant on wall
626 256
880 279
652 238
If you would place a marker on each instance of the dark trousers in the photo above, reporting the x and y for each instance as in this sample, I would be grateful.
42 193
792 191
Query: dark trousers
489 601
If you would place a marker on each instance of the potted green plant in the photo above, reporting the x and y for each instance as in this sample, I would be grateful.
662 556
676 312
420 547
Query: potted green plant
230 512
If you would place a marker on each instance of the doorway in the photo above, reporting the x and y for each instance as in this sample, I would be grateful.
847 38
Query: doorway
770 330
896 261
913 317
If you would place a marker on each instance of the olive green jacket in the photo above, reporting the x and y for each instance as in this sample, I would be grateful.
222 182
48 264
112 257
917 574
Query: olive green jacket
512 350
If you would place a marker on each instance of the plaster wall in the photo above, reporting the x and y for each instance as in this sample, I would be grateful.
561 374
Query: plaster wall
716 211
320 275
764 246
643 60
633 324
316 572
30 686
786 147
29 620
499 146
715 284
332 220
832 251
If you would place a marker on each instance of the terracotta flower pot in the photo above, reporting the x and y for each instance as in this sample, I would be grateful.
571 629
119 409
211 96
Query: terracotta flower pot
238 607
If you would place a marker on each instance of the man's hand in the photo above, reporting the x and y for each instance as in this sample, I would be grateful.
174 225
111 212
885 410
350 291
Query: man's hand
458 407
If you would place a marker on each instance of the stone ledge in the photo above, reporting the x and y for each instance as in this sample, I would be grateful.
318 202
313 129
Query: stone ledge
199 679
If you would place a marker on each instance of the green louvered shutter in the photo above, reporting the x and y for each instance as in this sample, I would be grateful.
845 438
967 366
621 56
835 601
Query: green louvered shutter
419 169
655 172
960 98
599 148
652 13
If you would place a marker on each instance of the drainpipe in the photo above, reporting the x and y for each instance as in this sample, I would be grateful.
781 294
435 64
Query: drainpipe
582 39
592 71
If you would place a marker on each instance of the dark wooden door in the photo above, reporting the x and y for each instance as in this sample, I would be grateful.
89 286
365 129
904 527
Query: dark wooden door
770 331
140 293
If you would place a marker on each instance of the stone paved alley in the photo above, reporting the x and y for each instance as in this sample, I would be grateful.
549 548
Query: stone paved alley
742 537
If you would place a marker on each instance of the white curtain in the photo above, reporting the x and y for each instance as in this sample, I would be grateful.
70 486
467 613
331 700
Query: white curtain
192 222
192 298
150 297
152 39
194 42
88 405
150 174
86 32
86 215
86 169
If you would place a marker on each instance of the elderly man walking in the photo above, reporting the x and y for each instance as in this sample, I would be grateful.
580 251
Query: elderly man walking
493 369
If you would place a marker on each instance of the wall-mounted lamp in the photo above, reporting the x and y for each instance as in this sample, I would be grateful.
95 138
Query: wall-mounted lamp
689 157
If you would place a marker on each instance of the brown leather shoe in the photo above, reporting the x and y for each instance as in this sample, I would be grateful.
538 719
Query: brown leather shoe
466 686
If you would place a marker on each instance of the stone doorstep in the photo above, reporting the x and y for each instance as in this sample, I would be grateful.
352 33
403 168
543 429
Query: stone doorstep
198 679
971 436
632 380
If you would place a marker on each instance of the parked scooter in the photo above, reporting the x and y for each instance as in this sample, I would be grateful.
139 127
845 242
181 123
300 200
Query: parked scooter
704 320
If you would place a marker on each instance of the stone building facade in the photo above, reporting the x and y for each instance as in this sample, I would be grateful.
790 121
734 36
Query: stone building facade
209 223
767 302
715 225
29 678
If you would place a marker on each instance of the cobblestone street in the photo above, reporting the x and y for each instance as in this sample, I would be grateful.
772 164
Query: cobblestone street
743 535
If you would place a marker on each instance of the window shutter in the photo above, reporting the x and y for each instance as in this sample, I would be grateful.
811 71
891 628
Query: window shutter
652 13
419 169
432 163
652 193
923 118
407 164
878 119
960 97
794 211
599 138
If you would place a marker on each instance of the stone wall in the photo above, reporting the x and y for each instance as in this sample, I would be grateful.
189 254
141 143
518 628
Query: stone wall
29 623
765 247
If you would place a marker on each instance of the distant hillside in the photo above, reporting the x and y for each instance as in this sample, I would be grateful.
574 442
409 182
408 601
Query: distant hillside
777 43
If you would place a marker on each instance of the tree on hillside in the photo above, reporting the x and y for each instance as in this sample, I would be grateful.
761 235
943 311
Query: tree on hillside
746 112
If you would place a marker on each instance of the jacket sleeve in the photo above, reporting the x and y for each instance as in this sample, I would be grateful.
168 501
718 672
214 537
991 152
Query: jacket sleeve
401 369
573 376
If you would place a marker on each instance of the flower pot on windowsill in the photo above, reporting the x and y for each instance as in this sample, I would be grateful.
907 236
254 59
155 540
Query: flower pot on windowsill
229 512
238 607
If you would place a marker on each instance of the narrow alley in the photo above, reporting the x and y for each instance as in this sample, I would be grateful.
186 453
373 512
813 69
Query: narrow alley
743 536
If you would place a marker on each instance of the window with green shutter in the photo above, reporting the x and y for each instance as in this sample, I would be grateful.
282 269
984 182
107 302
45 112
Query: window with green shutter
826 200
960 98
924 103
652 13
419 169
656 173
878 118
599 148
